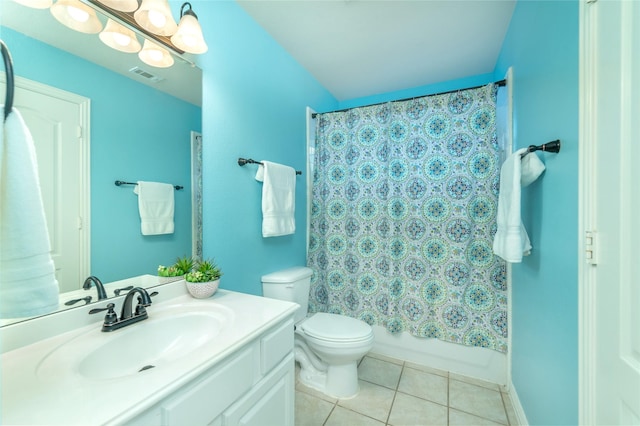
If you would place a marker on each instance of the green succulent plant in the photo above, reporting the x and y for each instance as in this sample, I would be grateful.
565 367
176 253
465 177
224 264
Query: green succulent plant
204 271
184 263
182 266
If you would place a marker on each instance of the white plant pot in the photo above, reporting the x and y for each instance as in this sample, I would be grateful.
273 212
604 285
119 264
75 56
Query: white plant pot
203 290
165 280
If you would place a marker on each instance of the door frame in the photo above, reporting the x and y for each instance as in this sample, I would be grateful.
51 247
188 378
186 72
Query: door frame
586 177
590 125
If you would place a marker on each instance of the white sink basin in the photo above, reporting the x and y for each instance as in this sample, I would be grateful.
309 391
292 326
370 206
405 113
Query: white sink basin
167 336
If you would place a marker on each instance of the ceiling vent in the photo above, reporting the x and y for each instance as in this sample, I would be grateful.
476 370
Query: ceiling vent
146 74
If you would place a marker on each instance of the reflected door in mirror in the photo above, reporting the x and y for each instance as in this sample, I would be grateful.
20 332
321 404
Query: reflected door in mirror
56 121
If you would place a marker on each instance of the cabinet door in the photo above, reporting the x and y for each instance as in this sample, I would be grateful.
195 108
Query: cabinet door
270 403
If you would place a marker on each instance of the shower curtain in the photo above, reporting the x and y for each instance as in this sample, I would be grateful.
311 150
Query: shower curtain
403 214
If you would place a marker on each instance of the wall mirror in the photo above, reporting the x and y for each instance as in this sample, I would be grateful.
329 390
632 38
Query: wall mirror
143 124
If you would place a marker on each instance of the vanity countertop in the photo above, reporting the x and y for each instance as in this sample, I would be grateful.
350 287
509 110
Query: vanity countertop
32 394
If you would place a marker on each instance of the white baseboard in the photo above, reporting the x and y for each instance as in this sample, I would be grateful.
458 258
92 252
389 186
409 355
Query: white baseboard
481 363
517 406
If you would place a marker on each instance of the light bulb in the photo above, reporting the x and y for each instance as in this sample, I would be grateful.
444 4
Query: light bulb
121 39
155 54
157 18
77 14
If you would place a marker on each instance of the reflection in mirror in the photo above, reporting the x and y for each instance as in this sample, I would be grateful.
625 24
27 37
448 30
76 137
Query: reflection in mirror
137 128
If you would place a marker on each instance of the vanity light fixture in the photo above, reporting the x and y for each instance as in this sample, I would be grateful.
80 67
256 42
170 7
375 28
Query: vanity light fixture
119 37
77 16
189 35
128 18
155 17
154 55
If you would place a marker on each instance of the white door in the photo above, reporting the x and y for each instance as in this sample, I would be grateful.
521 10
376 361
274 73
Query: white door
610 212
58 122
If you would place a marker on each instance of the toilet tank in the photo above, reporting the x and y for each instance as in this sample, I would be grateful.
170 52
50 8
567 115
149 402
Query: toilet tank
291 285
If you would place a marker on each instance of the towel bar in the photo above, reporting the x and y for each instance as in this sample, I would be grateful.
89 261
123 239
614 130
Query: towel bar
121 182
553 146
243 161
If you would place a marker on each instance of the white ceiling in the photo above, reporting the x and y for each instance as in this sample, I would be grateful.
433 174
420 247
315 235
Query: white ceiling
354 48
357 48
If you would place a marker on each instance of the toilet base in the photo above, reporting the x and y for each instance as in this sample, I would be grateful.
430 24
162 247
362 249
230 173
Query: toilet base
339 381
342 380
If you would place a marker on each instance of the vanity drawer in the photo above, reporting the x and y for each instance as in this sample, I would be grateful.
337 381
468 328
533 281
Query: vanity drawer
275 346
205 400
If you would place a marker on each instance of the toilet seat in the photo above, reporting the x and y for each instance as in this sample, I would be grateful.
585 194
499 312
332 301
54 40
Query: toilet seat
336 328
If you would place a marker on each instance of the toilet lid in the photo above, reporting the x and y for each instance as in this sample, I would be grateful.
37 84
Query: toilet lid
336 327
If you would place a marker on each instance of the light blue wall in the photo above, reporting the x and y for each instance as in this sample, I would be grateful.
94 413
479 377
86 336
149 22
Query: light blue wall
542 47
254 100
137 133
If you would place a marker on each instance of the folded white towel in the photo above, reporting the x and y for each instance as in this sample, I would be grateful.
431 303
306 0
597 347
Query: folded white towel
28 284
278 198
156 206
511 241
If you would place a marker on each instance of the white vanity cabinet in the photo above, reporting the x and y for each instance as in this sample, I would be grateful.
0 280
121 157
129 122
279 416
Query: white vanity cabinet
253 385
225 360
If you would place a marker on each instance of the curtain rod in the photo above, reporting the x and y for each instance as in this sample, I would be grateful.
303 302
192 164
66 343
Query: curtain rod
500 83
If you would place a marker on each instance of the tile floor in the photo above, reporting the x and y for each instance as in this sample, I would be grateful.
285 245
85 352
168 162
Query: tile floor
393 392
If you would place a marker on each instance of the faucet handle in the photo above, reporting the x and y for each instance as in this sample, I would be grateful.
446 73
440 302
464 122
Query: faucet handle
155 293
140 307
117 291
111 317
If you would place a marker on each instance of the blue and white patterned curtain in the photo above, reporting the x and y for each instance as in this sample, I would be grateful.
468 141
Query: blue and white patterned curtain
403 216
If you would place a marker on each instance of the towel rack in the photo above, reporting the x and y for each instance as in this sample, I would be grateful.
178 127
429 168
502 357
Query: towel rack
121 182
243 161
553 146
8 67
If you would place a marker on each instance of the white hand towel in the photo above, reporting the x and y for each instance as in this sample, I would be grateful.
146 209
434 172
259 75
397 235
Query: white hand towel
531 167
278 199
156 206
511 241
28 284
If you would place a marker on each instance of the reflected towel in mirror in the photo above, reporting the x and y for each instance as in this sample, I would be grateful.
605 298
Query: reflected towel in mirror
156 207
27 273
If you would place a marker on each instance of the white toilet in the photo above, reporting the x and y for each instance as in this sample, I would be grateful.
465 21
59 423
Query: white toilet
327 346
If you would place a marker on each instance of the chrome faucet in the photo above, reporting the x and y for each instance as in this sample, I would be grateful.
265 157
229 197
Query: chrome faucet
102 294
127 316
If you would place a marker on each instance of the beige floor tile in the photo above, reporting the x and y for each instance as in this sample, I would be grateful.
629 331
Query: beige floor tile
310 410
424 385
372 400
511 412
477 400
458 418
344 417
426 369
313 392
380 372
474 381
385 358
408 410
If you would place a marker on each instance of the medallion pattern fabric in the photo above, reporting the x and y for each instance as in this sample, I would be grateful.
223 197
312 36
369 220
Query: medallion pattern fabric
403 216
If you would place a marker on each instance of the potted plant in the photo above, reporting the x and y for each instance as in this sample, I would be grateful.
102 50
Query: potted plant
176 271
204 278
